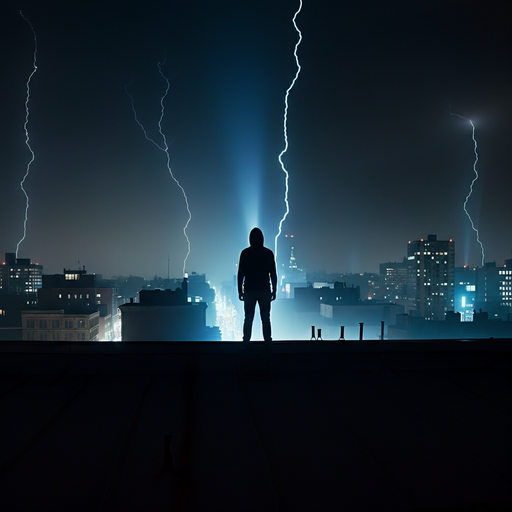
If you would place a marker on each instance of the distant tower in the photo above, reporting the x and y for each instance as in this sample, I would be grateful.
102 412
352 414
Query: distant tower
291 276
430 276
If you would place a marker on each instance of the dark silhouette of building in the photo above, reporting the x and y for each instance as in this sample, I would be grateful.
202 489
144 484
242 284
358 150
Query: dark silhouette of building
166 315
310 298
412 327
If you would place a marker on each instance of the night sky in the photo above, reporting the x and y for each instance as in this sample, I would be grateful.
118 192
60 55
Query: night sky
374 157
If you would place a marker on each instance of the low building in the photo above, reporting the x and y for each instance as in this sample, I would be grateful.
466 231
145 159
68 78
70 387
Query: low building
413 327
58 325
166 315
77 291
370 313
310 298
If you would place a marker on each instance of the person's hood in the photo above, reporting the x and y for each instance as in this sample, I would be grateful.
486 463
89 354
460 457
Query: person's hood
256 238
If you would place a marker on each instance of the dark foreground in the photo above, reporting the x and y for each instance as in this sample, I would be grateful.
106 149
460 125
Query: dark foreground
393 426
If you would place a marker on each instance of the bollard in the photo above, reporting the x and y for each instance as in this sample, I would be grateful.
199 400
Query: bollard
167 453
342 333
361 331
319 337
382 330
313 337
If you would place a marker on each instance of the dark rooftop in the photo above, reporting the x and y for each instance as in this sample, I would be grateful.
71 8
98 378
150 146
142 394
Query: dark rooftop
353 426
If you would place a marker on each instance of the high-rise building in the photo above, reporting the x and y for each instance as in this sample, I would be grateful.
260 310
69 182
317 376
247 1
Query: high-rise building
430 276
393 280
494 289
19 276
291 276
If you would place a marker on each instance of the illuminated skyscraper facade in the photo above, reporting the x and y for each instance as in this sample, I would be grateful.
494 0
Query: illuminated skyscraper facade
393 280
19 276
465 292
494 290
430 277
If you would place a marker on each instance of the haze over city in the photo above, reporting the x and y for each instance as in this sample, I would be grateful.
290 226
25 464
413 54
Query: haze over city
375 159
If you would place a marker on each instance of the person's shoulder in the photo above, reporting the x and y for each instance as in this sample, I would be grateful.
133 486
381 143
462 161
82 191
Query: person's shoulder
269 252
245 253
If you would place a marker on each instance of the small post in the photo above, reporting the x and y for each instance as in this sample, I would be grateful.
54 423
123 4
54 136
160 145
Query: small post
342 333
361 331
382 330
167 453
313 337
319 337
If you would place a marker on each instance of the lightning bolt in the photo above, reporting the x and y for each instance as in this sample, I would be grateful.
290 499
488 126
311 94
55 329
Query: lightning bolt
27 138
165 149
285 126
475 149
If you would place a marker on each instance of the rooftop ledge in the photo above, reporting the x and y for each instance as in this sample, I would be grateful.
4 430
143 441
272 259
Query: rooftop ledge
278 347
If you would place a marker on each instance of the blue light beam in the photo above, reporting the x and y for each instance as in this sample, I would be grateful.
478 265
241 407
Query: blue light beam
27 138
285 127
472 182
165 149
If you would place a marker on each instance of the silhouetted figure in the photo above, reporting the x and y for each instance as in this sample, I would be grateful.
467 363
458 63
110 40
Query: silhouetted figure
256 274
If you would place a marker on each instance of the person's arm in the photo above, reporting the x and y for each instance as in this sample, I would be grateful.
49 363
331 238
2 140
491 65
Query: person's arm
273 278
240 278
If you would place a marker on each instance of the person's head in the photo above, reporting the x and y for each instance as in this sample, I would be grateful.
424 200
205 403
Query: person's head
256 238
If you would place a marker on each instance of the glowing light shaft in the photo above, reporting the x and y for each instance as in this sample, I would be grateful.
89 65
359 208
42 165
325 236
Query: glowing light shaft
285 127
475 149
165 148
27 138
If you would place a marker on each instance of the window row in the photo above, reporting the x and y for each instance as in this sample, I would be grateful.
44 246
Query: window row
55 336
55 324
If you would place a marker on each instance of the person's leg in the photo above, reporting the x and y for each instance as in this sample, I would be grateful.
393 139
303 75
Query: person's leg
264 304
249 307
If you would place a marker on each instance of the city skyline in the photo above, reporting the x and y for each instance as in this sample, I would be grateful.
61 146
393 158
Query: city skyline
374 157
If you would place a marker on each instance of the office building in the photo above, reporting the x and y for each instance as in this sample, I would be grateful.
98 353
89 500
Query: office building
465 292
20 276
494 289
393 280
430 277
58 325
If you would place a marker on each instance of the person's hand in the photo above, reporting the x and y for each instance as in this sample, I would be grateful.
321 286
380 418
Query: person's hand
273 296
241 296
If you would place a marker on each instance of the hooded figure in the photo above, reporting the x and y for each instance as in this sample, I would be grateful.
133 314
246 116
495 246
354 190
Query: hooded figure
257 283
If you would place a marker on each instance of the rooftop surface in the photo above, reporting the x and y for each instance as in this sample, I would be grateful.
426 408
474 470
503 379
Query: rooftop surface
354 426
